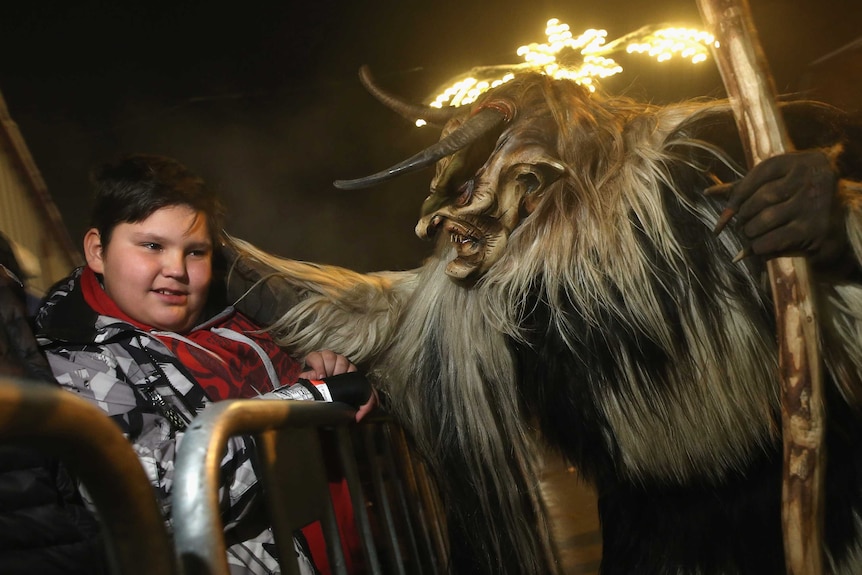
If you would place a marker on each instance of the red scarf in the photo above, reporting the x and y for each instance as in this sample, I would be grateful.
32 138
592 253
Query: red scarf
228 369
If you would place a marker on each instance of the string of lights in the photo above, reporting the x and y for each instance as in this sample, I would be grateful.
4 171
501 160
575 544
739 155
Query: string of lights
583 59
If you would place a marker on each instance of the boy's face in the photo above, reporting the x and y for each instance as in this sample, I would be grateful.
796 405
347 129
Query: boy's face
158 270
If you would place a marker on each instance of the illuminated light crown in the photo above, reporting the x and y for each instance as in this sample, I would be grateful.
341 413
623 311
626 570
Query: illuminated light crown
582 59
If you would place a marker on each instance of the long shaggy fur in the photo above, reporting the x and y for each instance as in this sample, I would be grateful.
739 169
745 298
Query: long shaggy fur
616 329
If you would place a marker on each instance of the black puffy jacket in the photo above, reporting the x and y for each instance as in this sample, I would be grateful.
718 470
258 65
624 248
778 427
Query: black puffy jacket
44 526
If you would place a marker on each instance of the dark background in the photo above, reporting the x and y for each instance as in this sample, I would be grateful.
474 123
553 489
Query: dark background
262 98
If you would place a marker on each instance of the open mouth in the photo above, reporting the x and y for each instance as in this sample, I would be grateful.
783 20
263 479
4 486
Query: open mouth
170 296
469 244
467 241
471 241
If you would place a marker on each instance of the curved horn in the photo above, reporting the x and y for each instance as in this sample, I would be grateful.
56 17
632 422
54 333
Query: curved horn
483 122
412 112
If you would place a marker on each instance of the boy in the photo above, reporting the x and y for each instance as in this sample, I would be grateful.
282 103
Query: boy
141 332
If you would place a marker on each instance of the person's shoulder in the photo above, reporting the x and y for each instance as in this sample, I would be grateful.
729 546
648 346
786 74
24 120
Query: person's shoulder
61 289
63 308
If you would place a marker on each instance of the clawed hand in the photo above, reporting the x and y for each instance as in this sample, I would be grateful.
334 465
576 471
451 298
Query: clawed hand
787 205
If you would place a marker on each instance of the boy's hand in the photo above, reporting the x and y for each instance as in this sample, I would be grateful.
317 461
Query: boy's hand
324 363
356 391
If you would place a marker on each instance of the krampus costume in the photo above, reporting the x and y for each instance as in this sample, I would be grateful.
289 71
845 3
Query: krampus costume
578 296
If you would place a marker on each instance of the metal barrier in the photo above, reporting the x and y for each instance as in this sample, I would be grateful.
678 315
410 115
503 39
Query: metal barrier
398 515
410 518
91 445
394 507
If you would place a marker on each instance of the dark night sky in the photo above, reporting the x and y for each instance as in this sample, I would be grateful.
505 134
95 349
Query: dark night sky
262 98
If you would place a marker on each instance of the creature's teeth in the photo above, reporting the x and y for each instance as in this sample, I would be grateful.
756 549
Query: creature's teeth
458 238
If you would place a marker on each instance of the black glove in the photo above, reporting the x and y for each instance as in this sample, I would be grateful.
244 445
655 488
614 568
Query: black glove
787 205
352 388
254 289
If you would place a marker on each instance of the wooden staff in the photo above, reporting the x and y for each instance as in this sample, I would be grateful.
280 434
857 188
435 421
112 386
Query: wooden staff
752 95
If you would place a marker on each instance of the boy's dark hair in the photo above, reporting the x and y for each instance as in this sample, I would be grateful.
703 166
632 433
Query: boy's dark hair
131 188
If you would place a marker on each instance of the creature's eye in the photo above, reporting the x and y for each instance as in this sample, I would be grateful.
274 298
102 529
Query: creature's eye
465 192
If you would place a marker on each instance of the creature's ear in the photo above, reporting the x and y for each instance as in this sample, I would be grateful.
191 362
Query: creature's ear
534 179
94 250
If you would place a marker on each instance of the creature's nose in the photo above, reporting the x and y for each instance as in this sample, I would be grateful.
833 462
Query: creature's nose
427 227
